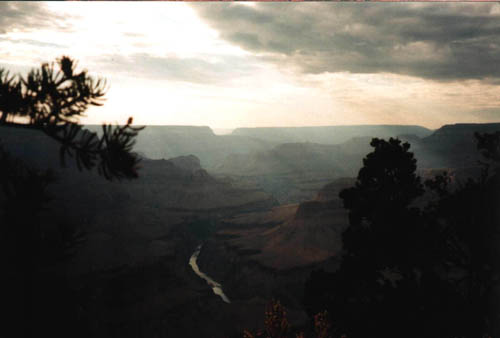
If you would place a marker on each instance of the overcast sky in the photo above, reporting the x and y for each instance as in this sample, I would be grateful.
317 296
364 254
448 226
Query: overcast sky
230 65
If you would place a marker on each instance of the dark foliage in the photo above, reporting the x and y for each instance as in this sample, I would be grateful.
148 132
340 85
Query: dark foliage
51 101
470 221
386 182
277 326
381 220
24 189
23 197
411 272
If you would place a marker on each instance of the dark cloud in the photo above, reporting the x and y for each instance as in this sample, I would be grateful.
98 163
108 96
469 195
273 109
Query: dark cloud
29 16
440 41
196 70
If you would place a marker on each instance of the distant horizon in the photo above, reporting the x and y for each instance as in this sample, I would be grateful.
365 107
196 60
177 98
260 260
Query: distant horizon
229 130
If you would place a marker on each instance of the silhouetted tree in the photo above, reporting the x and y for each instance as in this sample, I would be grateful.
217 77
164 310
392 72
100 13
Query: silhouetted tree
382 263
380 216
470 219
388 251
411 272
50 99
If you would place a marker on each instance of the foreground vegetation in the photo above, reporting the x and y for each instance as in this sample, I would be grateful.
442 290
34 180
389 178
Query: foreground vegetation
49 100
420 258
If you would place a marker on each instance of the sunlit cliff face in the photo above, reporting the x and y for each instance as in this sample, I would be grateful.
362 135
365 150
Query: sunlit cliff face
276 64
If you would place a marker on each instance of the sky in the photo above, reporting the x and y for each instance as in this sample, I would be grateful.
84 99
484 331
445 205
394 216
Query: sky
229 65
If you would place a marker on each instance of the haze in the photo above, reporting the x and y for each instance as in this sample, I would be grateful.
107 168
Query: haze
270 64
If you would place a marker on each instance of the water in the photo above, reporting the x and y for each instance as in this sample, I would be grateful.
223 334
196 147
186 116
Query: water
216 287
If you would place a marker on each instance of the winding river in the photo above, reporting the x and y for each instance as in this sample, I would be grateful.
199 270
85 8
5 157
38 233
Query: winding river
216 287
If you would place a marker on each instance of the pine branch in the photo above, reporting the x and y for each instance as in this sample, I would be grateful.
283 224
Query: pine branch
53 101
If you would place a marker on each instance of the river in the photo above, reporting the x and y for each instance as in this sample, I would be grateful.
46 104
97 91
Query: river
216 287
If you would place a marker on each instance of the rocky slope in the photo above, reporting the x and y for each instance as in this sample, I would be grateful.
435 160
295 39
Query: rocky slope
128 274
163 142
451 146
295 172
269 254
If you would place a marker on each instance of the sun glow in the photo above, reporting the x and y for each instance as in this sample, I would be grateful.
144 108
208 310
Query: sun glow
166 65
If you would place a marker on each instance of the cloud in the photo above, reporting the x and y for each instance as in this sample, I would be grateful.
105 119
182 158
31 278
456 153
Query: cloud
27 16
34 32
33 42
438 41
173 68
487 114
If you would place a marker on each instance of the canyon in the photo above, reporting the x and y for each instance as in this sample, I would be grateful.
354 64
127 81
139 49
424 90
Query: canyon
263 203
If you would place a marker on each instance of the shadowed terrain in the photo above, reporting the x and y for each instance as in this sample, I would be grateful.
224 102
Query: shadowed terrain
267 216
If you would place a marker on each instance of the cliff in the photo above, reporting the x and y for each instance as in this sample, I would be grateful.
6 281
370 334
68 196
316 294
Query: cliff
163 142
329 134
452 146
271 253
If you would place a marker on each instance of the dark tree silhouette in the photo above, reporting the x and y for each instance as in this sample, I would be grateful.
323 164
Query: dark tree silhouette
377 282
382 220
50 99
470 219
411 272
386 182
386 250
